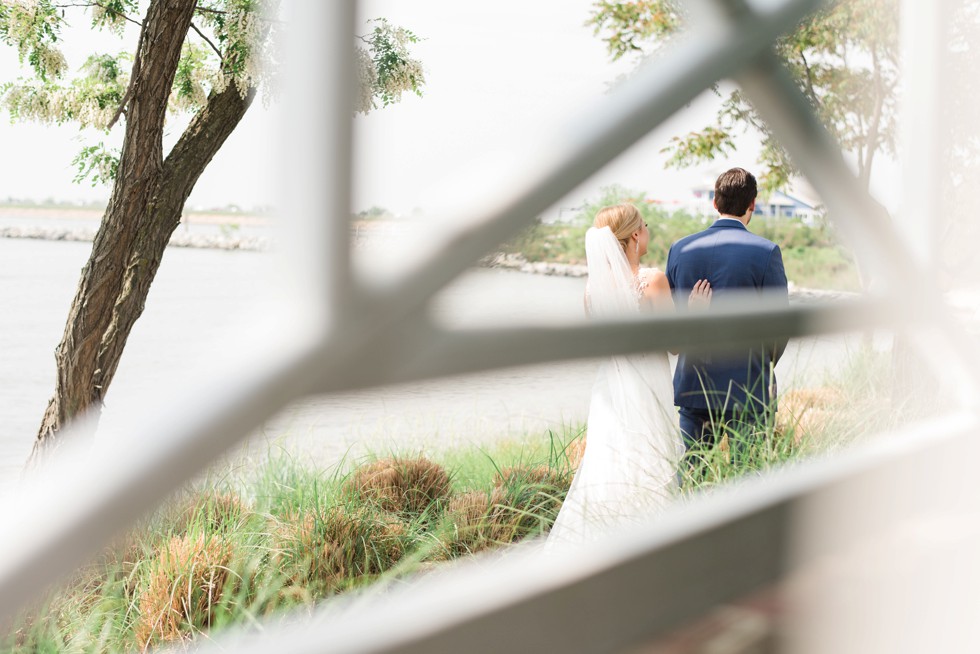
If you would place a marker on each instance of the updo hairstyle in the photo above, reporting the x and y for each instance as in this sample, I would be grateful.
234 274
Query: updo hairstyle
622 219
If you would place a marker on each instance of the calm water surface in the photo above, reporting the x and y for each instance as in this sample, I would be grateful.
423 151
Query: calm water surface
201 296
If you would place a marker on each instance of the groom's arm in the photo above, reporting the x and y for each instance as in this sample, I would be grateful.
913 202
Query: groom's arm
774 285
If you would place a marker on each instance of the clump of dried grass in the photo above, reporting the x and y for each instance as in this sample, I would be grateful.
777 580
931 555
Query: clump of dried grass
325 549
540 476
407 486
185 584
473 523
805 412
209 512
523 501
574 453
472 507
530 498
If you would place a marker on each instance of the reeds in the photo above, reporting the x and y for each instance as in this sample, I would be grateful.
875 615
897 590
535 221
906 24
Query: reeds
184 587
231 551
407 486
216 555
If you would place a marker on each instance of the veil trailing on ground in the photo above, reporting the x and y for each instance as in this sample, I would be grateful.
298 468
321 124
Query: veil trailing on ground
629 470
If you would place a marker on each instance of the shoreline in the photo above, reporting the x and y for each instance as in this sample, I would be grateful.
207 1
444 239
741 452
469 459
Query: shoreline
518 263
95 214
226 238
178 239
249 243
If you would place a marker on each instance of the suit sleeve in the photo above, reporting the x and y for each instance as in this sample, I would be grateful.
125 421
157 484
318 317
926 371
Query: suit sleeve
774 285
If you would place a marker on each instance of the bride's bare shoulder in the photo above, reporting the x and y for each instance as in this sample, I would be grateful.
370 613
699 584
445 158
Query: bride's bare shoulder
654 282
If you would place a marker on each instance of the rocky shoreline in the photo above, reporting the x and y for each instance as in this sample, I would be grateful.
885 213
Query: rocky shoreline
179 239
519 263
233 241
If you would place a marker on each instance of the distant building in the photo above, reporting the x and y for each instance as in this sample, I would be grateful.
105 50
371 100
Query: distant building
781 204
704 197
795 202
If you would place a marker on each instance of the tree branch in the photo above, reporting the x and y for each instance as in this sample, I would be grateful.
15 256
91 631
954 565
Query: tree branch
203 36
809 79
122 106
222 12
209 10
132 80
97 4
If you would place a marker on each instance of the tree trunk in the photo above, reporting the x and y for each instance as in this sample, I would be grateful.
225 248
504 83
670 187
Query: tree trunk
874 128
144 210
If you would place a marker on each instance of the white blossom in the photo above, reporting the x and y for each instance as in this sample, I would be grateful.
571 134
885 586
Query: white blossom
196 75
395 70
25 28
52 61
248 32
367 77
115 22
405 77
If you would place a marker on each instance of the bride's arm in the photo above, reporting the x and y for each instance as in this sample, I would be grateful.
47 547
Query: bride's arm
657 293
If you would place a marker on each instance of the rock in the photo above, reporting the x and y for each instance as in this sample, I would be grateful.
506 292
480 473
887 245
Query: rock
179 239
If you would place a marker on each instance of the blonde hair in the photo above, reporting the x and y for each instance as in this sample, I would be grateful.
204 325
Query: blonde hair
622 219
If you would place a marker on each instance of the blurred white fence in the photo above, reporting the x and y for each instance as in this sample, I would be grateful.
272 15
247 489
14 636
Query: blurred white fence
341 331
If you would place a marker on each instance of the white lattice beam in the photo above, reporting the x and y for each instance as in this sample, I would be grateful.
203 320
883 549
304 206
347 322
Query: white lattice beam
865 224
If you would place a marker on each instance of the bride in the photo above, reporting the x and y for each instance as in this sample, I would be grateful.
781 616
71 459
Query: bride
629 469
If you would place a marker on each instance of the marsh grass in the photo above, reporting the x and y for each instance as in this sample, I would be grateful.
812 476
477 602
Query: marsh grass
857 403
237 547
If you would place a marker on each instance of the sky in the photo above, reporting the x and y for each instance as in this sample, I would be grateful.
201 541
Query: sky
501 77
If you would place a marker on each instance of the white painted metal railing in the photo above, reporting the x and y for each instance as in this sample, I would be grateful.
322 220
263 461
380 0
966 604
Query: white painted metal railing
342 331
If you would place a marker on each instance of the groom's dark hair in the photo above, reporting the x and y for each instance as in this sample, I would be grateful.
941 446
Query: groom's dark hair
735 190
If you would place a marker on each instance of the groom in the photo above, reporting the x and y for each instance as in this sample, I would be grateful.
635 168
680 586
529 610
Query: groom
731 388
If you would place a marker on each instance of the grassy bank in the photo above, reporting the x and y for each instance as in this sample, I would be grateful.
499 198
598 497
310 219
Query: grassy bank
812 253
240 546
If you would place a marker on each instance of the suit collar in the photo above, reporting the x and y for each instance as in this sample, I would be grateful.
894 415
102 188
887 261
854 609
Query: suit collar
728 223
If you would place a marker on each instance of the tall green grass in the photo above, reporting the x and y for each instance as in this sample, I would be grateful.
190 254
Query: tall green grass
242 545
247 543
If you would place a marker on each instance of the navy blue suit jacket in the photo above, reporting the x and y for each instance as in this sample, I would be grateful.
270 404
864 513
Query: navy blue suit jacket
732 259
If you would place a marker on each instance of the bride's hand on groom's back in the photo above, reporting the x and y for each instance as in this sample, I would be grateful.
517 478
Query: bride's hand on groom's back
700 297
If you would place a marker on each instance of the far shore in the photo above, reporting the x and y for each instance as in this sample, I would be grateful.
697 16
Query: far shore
236 241
95 213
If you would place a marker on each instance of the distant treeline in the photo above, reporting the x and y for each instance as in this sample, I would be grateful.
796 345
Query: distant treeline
812 253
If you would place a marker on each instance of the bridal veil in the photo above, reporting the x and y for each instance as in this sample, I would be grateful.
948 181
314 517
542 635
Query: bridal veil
629 470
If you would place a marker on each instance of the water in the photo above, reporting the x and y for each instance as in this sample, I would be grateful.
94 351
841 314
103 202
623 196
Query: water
201 296
197 299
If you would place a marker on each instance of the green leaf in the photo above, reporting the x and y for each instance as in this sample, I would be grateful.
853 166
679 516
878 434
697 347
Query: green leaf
97 164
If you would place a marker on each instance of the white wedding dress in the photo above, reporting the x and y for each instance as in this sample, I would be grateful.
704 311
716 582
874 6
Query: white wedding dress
629 470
